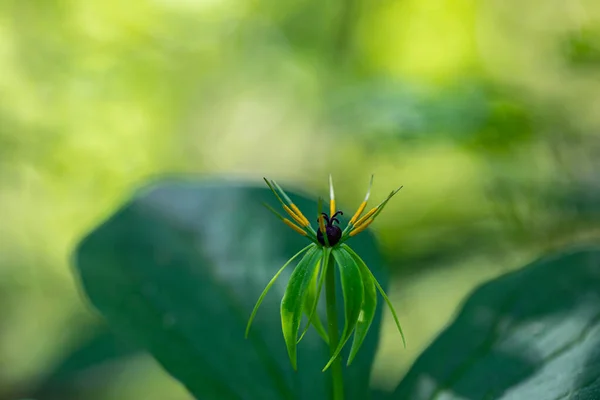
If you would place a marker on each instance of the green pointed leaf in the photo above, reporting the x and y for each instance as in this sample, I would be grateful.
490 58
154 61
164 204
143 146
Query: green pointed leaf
369 304
177 271
294 299
353 291
312 299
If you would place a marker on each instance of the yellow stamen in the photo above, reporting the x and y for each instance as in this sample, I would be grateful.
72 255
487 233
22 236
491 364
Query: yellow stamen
295 217
294 226
366 216
361 208
322 224
299 214
361 228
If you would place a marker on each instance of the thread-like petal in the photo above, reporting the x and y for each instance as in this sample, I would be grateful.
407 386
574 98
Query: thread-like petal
362 205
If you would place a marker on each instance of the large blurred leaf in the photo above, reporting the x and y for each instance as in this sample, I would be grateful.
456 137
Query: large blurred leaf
89 370
99 356
178 270
532 334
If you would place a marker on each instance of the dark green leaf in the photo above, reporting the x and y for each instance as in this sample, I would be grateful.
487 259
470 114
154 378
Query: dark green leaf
179 268
353 290
532 334
368 308
294 299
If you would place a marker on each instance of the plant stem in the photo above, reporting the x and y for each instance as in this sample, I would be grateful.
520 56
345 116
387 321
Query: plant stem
332 324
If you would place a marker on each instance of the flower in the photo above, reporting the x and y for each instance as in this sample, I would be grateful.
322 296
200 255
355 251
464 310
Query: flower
327 248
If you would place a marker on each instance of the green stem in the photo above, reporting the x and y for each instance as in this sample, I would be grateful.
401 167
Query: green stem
332 323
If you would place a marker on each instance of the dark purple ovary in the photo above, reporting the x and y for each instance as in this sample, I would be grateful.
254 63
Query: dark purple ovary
334 234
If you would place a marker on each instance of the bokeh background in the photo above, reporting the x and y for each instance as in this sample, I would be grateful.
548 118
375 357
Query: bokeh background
486 111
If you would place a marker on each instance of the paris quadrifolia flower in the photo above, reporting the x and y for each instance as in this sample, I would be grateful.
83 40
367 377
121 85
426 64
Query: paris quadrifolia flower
328 247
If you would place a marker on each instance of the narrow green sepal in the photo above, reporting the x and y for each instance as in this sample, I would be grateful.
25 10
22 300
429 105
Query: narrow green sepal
294 299
387 300
313 298
368 308
353 293
270 284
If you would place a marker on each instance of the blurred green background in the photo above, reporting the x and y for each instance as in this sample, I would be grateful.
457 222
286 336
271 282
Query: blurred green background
486 111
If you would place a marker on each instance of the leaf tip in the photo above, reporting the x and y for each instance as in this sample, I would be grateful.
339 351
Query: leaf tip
353 353
331 360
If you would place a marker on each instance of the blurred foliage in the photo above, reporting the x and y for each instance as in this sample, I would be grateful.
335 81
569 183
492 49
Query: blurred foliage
583 48
486 111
